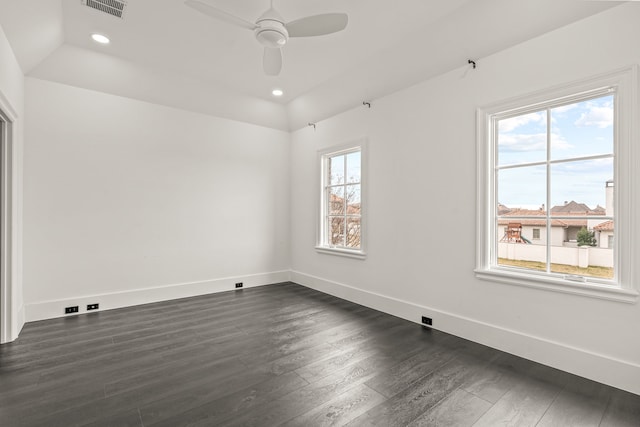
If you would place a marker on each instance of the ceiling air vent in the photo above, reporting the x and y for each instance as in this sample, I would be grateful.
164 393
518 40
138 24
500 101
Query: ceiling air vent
112 7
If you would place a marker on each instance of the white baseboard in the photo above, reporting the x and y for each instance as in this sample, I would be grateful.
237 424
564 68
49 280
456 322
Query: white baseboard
21 321
51 309
14 326
598 367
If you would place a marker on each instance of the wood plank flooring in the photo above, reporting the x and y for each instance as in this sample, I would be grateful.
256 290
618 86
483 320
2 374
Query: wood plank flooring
281 355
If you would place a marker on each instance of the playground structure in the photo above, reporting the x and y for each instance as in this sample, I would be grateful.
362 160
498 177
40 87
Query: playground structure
513 234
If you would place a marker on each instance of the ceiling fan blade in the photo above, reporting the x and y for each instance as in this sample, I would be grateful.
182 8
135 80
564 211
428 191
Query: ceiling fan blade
214 12
317 25
272 61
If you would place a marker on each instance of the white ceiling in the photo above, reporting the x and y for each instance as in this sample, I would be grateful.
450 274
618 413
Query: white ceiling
167 53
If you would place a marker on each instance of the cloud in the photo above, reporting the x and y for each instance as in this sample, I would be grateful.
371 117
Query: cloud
558 142
564 108
597 115
522 142
518 143
508 125
561 112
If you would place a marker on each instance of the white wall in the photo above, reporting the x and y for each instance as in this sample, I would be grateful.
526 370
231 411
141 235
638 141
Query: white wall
127 202
11 79
12 103
527 231
110 74
603 238
422 155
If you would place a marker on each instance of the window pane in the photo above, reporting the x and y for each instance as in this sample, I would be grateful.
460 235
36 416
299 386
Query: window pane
582 188
335 170
522 139
582 129
353 199
516 247
336 231
353 167
587 250
523 188
336 200
353 233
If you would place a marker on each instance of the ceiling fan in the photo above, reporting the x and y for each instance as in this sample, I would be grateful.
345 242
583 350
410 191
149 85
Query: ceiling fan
273 32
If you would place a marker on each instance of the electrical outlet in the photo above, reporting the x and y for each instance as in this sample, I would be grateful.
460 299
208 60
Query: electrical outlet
69 310
426 321
92 306
239 285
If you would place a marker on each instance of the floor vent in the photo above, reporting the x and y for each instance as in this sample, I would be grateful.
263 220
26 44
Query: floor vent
112 7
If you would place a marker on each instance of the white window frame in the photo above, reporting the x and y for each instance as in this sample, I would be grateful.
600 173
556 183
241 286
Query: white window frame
627 155
323 155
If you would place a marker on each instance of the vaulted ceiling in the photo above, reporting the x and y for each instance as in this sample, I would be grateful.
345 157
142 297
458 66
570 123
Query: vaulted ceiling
164 52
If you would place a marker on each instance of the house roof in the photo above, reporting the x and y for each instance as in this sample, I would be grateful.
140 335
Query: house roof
605 226
572 207
542 222
541 217
502 209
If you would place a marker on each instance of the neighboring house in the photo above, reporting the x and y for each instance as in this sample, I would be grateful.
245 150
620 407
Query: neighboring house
533 229
604 234
502 209
574 208
564 232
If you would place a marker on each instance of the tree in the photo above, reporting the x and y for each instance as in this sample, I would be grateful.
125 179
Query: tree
345 216
586 237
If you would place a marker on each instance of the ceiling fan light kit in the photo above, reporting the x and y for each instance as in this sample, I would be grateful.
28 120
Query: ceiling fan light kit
270 30
273 32
272 37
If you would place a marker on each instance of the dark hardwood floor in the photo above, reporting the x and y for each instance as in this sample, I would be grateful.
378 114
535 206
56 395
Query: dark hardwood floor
281 355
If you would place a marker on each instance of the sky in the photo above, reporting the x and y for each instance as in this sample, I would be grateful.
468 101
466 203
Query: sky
577 130
352 170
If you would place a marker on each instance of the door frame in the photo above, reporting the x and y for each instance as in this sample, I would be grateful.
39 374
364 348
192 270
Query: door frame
9 322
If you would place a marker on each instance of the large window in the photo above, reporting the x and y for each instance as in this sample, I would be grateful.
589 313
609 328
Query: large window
553 189
341 230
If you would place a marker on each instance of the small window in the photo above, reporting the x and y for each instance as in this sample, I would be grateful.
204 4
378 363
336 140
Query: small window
555 163
341 225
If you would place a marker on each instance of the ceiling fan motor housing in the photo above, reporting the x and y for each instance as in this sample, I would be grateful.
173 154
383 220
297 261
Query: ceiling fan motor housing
270 30
272 34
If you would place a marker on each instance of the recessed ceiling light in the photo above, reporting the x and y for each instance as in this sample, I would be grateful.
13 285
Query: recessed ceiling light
100 38
277 92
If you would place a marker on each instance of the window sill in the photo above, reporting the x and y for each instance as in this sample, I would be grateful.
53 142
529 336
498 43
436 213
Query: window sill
341 252
559 285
